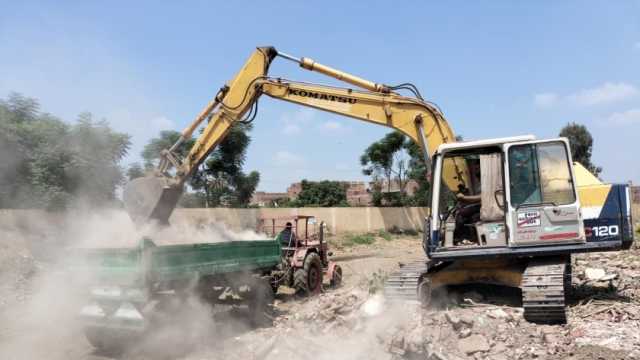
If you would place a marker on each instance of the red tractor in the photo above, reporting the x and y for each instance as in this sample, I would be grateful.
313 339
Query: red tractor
305 254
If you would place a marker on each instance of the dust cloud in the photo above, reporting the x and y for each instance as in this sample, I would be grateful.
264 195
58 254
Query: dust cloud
41 292
41 296
114 228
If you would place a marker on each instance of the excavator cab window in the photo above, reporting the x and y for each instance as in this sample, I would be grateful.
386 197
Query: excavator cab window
539 173
475 208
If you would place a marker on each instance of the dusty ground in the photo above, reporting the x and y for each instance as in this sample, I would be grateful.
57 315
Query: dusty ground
37 317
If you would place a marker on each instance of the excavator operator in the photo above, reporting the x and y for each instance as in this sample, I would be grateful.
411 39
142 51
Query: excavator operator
468 205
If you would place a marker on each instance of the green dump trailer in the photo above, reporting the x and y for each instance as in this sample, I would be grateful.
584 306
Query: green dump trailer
131 288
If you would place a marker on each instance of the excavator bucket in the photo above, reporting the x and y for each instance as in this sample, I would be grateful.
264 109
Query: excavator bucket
151 199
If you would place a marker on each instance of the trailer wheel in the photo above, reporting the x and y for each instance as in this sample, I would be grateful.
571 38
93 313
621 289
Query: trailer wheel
108 340
260 299
261 294
308 280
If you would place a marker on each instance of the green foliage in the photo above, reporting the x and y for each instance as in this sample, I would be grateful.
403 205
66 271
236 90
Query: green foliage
245 186
166 139
135 171
219 181
581 143
48 163
321 194
398 231
192 199
359 239
397 158
385 235
378 157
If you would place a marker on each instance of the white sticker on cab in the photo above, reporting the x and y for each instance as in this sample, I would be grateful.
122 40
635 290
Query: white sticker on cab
529 218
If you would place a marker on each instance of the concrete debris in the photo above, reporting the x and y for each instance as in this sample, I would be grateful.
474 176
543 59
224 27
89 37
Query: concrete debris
594 274
455 321
608 277
473 344
498 314
464 333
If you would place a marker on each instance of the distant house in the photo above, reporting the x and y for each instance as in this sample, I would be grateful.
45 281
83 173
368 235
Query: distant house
410 186
262 198
357 192
294 190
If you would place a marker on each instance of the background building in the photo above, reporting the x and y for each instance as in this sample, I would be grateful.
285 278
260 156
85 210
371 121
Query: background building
261 198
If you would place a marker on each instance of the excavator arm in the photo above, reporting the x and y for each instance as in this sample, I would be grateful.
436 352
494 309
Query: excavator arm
154 197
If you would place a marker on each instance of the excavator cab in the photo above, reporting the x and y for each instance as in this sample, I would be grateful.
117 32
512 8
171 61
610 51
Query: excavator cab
512 193
515 216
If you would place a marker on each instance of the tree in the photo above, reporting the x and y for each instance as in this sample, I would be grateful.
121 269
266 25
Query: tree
581 143
245 186
386 158
97 152
220 178
166 139
48 163
395 158
321 194
135 171
418 172
192 199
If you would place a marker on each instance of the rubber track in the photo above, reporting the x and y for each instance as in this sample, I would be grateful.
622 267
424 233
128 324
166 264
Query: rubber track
543 291
403 284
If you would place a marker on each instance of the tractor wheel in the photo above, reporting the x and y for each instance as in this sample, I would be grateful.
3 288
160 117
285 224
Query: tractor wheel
336 278
308 280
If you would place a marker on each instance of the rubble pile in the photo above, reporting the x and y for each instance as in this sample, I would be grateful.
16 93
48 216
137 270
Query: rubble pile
603 311
478 332
472 323
605 301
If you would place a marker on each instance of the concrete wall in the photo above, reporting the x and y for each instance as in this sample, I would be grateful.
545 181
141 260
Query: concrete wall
339 220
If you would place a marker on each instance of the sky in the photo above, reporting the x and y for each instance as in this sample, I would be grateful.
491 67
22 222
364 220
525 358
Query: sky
496 68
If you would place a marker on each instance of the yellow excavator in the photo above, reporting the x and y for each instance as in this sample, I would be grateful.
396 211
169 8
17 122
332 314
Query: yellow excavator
155 197
507 211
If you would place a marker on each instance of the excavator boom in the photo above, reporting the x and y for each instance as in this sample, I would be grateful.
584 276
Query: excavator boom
154 197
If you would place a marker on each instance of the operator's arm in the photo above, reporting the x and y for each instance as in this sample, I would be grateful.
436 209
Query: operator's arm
468 199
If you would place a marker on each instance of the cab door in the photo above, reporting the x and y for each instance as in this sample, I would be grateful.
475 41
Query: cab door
542 200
